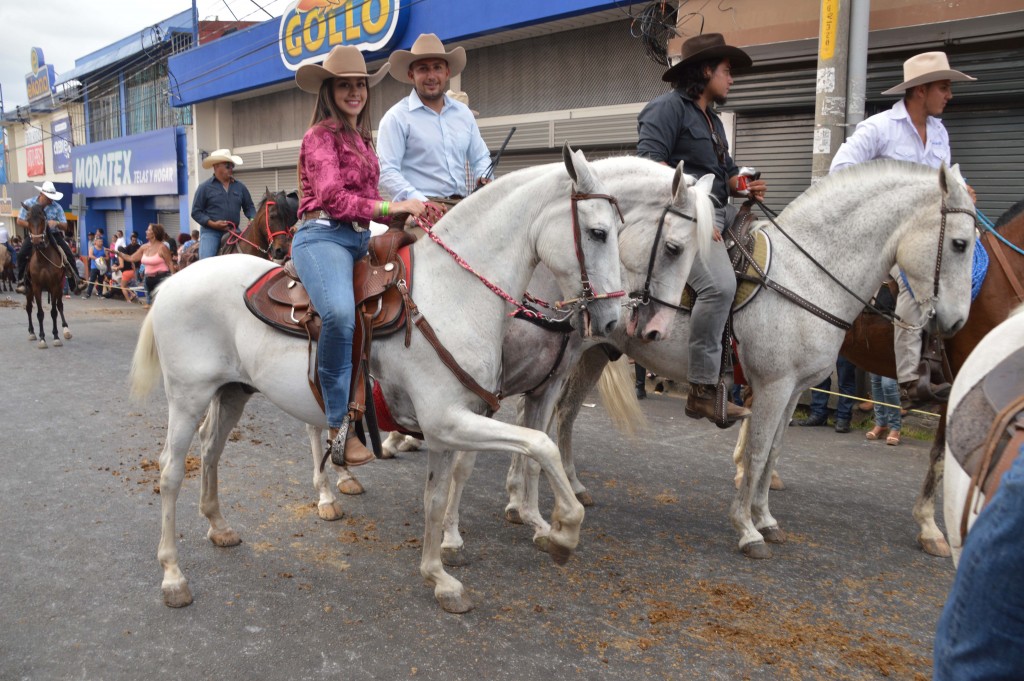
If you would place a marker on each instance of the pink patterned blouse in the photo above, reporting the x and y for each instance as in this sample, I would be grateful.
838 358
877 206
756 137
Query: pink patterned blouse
336 177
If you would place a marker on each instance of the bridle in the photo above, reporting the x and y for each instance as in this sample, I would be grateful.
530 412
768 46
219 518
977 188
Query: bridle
643 296
588 294
235 236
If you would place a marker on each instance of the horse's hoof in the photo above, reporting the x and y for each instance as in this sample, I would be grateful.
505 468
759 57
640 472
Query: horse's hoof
512 515
350 486
773 535
758 550
935 547
67 334
224 538
329 510
453 556
42 345
737 480
410 444
57 343
560 554
387 453
32 337
776 483
456 604
542 543
177 596
585 498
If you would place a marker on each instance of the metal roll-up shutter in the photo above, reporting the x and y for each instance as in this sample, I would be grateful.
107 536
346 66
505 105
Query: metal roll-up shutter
988 143
115 220
171 220
780 146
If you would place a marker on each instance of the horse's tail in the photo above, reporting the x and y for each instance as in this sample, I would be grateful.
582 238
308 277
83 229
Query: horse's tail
619 397
145 371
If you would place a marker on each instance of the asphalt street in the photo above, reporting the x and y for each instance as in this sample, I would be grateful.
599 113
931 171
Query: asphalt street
656 590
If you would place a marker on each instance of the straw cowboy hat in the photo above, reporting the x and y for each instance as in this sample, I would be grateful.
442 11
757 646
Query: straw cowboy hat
221 156
50 192
703 47
344 61
427 46
460 96
927 67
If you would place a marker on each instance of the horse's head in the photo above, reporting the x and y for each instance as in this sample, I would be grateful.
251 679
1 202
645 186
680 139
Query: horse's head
669 222
36 219
584 255
936 253
276 215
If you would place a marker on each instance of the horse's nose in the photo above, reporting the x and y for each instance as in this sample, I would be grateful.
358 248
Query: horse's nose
652 336
609 327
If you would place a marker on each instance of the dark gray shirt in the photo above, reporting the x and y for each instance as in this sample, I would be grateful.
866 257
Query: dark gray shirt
212 202
673 129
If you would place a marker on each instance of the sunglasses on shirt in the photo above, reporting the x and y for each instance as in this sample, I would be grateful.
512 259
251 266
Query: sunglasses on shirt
720 149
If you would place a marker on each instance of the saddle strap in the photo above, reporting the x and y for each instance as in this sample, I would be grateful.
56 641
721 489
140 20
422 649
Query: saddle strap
997 249
492 400
981 477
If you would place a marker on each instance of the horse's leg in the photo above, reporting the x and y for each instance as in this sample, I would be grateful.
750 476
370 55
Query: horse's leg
582 379
930 537
54 304
473 431
774 403
40 315
451 544
737 452
63 321
181 426
222 416
327 506
397 442
762 517
28 309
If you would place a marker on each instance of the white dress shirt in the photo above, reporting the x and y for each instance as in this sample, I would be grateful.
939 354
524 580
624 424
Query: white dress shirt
423 153
891 134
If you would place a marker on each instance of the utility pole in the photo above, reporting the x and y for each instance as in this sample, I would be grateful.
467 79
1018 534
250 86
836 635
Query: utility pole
857 68
830 97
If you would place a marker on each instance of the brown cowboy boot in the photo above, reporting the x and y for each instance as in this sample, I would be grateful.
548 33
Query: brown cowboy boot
344 447
700 403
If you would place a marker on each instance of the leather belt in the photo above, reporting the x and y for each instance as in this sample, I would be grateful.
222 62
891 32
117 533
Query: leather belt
323 215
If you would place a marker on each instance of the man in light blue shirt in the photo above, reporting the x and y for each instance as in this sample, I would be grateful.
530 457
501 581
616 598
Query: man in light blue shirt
426 140
909 131
56 223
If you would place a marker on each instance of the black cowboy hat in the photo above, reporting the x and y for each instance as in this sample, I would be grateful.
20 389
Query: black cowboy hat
703 47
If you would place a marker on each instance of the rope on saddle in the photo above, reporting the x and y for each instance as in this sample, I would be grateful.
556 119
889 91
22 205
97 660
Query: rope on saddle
987 224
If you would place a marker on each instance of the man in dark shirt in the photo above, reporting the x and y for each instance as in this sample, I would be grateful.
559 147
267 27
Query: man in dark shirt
219 202
681 126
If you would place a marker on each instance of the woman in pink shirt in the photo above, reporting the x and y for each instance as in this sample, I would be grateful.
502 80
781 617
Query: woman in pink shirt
338 175
155 257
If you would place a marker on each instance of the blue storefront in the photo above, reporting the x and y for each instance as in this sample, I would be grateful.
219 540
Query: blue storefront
132 181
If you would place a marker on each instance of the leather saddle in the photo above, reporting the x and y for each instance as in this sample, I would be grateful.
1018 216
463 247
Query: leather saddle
279 299
985 432
754 242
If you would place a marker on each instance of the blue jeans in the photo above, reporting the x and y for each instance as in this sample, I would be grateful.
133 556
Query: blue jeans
209 241
885 389
324 256
846 372
981 631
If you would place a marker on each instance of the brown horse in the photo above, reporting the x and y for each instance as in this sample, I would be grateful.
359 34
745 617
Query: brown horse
45 273
869 345
268 235
6 270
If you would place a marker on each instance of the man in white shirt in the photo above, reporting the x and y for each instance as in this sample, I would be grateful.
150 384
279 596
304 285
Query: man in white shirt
909 131
425 140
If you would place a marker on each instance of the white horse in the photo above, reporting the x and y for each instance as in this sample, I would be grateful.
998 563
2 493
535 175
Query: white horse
1000 343
856 224
536 359
213 353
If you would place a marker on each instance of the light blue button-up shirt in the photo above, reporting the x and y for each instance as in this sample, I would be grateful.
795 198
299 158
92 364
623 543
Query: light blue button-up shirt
52 211
891 134
423 153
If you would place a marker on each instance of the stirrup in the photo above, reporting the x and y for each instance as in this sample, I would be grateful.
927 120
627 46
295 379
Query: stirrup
336 446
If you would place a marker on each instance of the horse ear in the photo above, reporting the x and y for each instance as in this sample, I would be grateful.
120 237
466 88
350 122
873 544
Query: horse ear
579 169
567 160
706 184
678 180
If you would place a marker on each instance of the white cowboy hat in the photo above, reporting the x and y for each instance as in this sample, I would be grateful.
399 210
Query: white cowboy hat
344 61
221 156
427 46
50 192
460 96
927 67
3 234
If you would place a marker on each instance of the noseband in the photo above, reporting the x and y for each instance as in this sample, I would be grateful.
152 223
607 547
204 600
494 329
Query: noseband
588 295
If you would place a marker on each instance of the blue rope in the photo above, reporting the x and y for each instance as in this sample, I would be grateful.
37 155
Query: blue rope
987 224
978 269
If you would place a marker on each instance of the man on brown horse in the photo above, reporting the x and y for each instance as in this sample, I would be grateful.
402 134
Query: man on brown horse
909 131
56 223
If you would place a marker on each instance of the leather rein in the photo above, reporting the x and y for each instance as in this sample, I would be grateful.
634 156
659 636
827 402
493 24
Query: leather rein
587 295
234 237
763 278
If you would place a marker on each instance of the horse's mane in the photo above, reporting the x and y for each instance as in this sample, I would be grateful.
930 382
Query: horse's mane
856 175
1011 213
